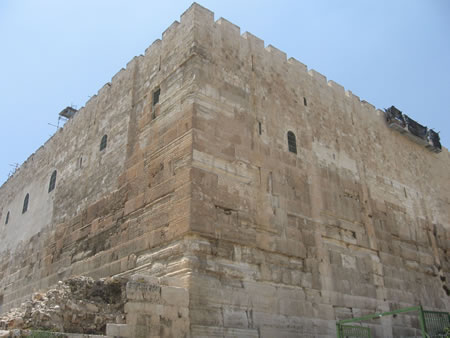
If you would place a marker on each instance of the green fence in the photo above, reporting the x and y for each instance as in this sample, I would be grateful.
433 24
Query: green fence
433 324
354 331
46 334
436 323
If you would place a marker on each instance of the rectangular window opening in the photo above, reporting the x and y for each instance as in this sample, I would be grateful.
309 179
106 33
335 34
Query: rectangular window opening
156 94
260 128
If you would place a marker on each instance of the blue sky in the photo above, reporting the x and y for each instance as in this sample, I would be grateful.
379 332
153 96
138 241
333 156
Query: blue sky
57 53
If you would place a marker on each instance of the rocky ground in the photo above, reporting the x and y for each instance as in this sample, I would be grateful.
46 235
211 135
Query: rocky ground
78 305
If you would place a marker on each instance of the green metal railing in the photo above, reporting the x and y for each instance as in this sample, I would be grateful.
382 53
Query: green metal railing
432 323
436 323
354 331
46 334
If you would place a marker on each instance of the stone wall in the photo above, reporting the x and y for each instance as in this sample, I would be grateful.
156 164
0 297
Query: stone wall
123 207
355 222
202 188
154 309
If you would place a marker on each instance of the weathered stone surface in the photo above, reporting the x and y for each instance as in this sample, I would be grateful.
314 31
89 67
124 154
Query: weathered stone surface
117 330
227 231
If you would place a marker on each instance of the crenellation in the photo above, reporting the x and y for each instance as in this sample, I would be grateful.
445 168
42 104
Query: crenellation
91 103
170 30
132 66
197 14
321 79
153 49
104 91
228 27
353 97
254 42
279 55
337 87
298 65
121 75
370 107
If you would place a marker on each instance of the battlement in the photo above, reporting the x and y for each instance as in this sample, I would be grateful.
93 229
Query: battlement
197 15
159 49
250 48
251 43
108 111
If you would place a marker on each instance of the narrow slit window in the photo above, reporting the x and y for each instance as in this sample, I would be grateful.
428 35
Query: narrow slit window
156 94
259 128
304 101
80 163
103 142
52 184
25 203
7 218
292 143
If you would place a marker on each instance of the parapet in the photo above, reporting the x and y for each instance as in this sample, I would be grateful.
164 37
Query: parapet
275 57
198 14
298 64
253 40
227 25
282 56
170 29
319 77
